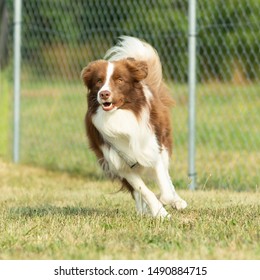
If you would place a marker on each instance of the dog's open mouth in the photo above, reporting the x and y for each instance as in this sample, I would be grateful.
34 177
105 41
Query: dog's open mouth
107 106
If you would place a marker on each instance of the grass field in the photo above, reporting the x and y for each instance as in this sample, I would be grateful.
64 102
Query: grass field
54 215
65 208
228 142
227 135
4 113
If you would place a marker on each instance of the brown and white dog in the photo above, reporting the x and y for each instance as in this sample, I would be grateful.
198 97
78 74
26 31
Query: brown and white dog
128 122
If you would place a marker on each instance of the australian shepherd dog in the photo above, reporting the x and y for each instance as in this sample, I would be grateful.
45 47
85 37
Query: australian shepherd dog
128 122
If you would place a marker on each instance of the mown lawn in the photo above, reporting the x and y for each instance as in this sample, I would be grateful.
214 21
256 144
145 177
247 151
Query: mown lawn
54 215
67 210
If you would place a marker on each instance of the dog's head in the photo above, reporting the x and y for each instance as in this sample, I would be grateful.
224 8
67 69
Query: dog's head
114 85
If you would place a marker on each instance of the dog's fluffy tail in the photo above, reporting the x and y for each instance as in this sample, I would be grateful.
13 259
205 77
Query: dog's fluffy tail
139 50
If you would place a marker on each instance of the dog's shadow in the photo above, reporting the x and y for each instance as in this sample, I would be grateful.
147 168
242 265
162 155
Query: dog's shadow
50 210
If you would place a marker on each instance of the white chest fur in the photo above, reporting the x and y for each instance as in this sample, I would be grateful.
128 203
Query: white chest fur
135 138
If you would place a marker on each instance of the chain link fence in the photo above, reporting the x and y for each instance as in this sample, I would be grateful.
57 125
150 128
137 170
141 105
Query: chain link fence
59 37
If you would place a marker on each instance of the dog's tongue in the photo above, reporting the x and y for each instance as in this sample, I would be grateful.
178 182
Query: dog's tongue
107 106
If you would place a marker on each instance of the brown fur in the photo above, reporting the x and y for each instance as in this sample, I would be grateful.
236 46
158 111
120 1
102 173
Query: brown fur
161 117
128 95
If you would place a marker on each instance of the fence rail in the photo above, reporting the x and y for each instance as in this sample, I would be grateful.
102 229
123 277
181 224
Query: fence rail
60 37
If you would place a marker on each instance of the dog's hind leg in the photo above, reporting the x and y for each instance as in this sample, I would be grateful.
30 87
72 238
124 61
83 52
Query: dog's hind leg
141 206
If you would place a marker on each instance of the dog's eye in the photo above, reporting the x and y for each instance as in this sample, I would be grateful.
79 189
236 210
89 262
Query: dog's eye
99 81
120 80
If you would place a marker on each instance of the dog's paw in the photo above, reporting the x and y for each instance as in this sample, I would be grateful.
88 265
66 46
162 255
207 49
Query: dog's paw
179 204
163 214
144 210
175 202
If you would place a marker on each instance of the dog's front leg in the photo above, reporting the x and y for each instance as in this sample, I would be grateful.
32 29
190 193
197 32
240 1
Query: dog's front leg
168 194
156 207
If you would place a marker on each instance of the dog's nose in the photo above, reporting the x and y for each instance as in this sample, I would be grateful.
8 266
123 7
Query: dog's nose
104 94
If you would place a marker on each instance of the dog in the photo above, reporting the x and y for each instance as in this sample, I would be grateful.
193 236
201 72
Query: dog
128 122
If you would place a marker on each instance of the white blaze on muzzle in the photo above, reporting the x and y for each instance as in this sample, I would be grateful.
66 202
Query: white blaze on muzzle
104 94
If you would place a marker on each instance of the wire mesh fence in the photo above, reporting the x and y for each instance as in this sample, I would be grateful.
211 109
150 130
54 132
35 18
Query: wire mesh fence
60 37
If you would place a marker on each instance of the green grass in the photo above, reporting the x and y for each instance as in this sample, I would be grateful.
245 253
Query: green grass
227 136
228 142
54 215
4 114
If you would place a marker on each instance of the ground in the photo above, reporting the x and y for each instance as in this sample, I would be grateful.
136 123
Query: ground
55 215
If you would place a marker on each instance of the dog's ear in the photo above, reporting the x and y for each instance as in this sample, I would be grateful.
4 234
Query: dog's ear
138 68
88 72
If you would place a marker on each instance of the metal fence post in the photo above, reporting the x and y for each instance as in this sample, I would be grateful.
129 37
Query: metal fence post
17 65
192 91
